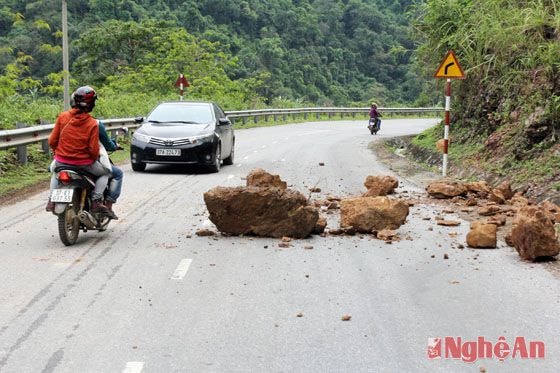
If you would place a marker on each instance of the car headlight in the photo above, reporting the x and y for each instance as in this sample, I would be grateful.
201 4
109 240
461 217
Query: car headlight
207 137
141 137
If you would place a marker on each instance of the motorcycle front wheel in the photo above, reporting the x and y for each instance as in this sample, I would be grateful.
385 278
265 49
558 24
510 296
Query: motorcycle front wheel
68 222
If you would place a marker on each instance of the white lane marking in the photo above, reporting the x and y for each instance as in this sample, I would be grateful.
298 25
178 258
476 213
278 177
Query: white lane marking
181 270
246 157
230 177
134 367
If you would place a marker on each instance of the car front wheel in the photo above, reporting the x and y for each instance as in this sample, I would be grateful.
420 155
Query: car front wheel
138 166
229 160
215 167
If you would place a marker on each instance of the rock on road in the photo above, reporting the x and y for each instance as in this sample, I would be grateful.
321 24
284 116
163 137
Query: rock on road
148 295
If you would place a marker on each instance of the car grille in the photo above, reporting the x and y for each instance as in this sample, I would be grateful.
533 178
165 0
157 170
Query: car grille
169 142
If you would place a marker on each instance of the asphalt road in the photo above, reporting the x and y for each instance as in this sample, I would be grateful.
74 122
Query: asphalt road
148 295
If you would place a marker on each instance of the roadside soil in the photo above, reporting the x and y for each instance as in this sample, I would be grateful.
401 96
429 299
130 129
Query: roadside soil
20 195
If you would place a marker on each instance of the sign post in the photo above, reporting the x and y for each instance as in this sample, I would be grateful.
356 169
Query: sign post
182 82
448 69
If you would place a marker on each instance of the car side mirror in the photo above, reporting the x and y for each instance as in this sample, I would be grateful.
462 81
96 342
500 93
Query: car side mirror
224 121
138 120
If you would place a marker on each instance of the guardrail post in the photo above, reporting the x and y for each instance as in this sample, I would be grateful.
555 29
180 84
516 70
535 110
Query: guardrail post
22 149
304 115
256 119
266 118
45 143
317 115
244 119
45 146
284 117
330 115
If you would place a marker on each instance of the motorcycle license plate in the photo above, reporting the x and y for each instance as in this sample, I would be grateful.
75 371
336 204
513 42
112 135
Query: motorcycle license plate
169 152
62 195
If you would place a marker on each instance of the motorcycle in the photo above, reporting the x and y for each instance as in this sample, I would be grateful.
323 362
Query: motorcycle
374 125
72 200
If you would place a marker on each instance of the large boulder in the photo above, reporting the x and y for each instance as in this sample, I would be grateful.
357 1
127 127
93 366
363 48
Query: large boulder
262 179
505 189
480 188
482 235
369 214
266 212
446 189
533 234
551 208
380 185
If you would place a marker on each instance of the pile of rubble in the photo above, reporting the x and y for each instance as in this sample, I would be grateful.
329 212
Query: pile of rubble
266 207
533 231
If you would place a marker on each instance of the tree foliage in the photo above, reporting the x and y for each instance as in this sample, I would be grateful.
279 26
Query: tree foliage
316 51
510 51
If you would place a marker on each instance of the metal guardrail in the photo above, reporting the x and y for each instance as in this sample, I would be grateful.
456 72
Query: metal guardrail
22 137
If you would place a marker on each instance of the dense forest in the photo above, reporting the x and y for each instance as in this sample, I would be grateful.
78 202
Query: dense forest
243 53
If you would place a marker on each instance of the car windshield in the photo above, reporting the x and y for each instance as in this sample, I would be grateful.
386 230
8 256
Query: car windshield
181 114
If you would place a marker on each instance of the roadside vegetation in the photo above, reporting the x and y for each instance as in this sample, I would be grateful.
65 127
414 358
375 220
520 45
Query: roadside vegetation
506 114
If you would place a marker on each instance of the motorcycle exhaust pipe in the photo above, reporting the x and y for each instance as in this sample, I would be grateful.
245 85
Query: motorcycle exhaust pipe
87 219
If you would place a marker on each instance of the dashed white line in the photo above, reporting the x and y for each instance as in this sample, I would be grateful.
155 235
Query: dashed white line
134 367
181 270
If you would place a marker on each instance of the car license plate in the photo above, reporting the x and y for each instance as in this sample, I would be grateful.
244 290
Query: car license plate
62 195
169 152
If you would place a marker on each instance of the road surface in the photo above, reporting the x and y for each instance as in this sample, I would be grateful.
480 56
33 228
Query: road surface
148 295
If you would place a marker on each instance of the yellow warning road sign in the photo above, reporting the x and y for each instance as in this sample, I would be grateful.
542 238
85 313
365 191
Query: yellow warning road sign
450 67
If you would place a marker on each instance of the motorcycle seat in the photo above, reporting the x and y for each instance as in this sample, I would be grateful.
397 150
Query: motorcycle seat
81 171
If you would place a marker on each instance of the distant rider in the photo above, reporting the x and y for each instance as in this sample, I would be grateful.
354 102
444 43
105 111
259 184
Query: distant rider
75 142
115 181
374 115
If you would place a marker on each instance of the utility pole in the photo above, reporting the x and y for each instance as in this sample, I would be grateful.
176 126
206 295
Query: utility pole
65 68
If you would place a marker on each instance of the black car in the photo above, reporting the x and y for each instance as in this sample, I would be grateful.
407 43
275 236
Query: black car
183 132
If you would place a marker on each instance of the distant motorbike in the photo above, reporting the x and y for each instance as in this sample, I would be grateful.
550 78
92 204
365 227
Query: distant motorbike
374 125
72 203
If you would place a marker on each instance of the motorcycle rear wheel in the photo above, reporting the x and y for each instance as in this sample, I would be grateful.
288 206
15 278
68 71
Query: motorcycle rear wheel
68 222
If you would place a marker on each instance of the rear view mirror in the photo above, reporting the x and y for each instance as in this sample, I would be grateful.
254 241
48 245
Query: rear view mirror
224 121
138 120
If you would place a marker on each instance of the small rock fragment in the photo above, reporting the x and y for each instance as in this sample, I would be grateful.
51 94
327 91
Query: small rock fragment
205 233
